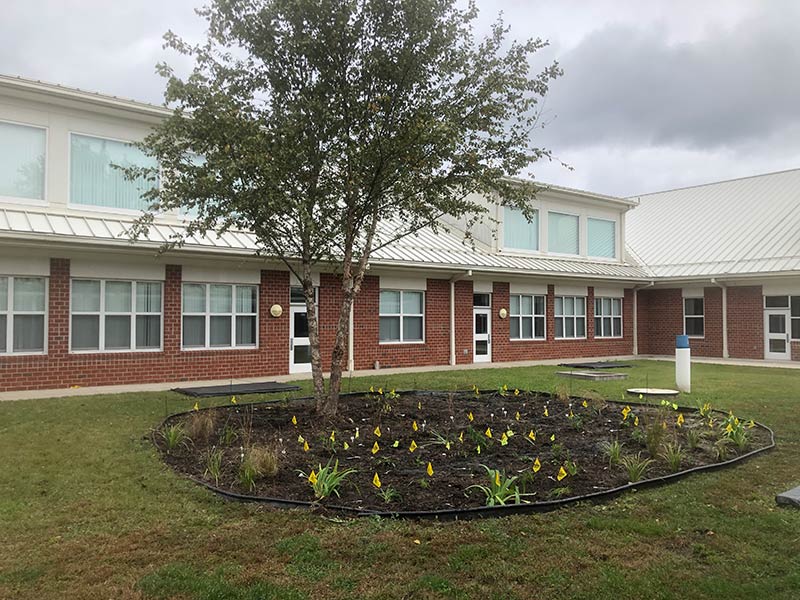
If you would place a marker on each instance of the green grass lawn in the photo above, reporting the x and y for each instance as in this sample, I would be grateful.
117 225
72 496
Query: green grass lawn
87 510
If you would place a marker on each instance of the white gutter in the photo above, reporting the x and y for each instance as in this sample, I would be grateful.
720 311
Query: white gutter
636 289
724 288
453 280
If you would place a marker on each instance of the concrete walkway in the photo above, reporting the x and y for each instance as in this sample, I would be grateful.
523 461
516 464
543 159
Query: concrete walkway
158 387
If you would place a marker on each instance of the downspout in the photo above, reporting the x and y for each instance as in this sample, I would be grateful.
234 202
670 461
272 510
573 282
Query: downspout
636 289
453 280
724 288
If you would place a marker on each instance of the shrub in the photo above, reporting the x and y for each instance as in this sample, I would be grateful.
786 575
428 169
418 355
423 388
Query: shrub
228 435
200 425
248 475
636 466
264 459
722 448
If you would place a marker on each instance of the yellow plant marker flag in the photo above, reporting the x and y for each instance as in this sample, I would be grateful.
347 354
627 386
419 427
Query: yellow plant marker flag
497 478
509 433
561 473
414 426
333 436
531 436
585 404
461 437
553 437
536 465
479 448
663 424
447 445
300 439
517 416
375 448
312 478
625 412
233 400
396 444
488 432
470 417
377 431
419 405
641 397
380 391
413 446
680 419
504 440
751 424
728 428
294 420
356 436
196 406
429 470
346 446
516 392
376 481
636 421
305 446
546 412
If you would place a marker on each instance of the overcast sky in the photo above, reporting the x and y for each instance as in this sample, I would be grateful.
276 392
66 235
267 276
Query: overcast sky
655 95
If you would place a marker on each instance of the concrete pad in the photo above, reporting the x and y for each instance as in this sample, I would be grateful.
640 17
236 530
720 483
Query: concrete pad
592 375
789 498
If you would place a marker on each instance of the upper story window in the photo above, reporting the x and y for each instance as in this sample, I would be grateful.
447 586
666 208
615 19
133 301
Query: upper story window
94 181
219 315
22 161
602 238
23 302
401 316
526 317
518 232
570 317
110 316
694 317
563 233
608 317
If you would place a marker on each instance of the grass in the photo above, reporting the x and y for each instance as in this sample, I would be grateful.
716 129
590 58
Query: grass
87 510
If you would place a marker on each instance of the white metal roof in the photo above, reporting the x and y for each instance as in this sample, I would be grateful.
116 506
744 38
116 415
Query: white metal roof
731 228
439 250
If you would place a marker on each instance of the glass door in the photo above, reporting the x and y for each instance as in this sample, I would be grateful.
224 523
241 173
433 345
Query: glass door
776 334
482 328
299 344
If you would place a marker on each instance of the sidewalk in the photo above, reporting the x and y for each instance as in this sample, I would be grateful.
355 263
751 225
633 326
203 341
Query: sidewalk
158 387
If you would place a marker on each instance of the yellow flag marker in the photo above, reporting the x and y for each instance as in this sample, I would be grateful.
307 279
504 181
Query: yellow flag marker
561 473
447 445
751 424
504 440
517 416
376 481
470 417
461 437
546 412
300 439
413 446
536 465
294 420
680 419
641 397
516 392
356 436
419 405
346 446
414 426
625 412
312 477
429 470
488 432
380 391
663 424
377 431
509 433
531 436
196 406
585 404
497 478
333 436
479 448
233 399
636 421
396 444
375 448
305 446
553 437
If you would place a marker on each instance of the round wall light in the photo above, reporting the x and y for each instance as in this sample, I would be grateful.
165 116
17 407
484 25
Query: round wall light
503 313
276 310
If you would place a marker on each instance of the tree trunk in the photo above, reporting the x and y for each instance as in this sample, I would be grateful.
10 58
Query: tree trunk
340 343
320 396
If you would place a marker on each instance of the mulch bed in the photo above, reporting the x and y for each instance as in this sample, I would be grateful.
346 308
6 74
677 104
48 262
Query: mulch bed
561 439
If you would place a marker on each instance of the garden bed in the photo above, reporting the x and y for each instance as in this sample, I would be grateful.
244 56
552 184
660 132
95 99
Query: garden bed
431 450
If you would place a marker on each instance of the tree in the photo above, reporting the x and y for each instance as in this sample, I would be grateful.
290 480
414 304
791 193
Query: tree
331 128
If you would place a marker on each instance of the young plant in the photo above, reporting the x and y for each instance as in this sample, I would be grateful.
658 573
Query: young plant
265 460
175 437
501 489
613 451
571 467
636 466
439 440
559 492
388 494
248 475
200 425
722 449
327 480
214 458
693 437
228 435
673 454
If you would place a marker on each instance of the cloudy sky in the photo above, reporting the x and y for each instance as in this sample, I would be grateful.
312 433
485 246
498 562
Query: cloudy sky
655 95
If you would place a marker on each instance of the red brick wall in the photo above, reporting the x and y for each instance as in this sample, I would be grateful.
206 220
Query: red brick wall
795 350
464 326
746 322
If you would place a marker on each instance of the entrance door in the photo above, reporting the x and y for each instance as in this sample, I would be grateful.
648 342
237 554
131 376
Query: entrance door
299 345
776 335
482 328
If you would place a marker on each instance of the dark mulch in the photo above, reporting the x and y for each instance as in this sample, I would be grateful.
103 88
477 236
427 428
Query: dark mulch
578 439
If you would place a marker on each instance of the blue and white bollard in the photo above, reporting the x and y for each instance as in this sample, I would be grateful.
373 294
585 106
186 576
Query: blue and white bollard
683 364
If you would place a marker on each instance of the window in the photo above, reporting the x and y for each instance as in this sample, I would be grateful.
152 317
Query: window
109 316
482 300
570 316
401 316
796 317
693 317
22 314
608 317
527 317
94 181
219 315
562 233
518 232
602 238
22 161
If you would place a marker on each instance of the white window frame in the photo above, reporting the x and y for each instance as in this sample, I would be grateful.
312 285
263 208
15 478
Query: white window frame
574 317
601 315
792 318
580 229
32 201
534 316
524 251
9 313
233 315
102 314
703 316
401 314
92 207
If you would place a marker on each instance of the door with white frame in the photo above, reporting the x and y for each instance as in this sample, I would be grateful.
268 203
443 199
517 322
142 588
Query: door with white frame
299 343
482 328
777 328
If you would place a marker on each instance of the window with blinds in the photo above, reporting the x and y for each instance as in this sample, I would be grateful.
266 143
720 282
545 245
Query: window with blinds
518 232
563 233
23 307
602 238
22 161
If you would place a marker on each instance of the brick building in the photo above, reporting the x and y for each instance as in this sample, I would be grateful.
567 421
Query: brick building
592 275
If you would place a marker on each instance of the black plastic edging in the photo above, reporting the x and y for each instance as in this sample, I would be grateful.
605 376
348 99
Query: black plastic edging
477 512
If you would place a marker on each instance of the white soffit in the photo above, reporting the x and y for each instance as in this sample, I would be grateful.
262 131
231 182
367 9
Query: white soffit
121 268
25 265
571 290
783 288
538 289
609 292
295 282
220 275
403 283
482 286
693 292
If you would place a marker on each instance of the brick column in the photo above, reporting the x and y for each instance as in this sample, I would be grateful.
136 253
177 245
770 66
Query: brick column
273 332
58 308
590 313
172 310
464 327
550 314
